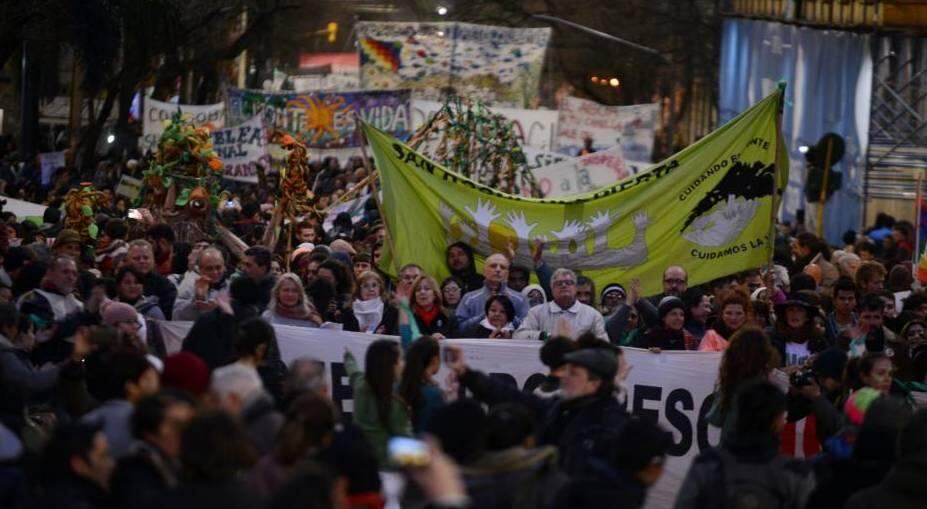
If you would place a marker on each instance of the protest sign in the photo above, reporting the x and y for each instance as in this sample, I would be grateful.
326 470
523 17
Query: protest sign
323 119
496 65
673 388
536 129
582 174
130 187
242 148
49 162
156 112
711 202
631 127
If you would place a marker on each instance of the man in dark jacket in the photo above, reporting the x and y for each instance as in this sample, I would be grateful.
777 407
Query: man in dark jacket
904 487
583 422
153 466
636 464
746 470
256 265
141 256
212 337
76 469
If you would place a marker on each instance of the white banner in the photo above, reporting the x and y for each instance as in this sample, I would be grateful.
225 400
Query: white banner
49 163
576 175
631 127
242 148
671 387
156 112
535 128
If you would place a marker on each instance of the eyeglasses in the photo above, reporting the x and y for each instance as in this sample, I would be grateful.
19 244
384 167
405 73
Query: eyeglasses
675 281
563 283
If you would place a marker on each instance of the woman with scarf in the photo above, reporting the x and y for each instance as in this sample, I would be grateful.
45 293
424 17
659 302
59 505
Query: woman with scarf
374 315
735 311
500 313
430 317
289 304
670 333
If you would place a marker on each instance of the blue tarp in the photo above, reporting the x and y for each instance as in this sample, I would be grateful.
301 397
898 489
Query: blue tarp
829 82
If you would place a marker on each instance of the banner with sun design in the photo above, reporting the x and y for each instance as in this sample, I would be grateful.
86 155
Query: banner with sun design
706 208
323 120
496 65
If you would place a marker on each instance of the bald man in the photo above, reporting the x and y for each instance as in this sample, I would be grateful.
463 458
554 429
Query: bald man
197 295
472 307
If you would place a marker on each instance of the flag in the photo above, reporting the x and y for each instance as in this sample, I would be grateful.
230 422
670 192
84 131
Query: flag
707 208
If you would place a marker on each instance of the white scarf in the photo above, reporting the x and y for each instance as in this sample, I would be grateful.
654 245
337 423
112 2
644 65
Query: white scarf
369 313
505 328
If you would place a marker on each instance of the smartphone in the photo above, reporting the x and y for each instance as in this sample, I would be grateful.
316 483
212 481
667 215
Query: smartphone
408 452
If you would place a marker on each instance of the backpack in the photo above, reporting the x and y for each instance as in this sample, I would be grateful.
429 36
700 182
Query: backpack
752 485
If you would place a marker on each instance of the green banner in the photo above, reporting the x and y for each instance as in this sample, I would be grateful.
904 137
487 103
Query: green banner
707 208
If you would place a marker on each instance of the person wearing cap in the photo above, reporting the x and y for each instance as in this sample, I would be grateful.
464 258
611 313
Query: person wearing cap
535 295
613 295
633 467
564 315
794 335
671 333
67 243
631 318
581 421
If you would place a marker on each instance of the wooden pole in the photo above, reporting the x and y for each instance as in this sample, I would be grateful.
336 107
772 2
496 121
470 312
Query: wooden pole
822 201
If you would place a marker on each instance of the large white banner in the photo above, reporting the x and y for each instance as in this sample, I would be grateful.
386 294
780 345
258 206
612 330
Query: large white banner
156 112
576 175
536 129
242 148
673 388
630 127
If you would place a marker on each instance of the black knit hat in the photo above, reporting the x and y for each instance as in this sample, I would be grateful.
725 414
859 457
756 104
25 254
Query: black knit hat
668 304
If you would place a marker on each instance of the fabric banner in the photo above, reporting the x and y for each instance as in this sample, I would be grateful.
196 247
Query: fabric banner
156 112
242 148
49 162
710 203
535 129
673 388
496 65
324 119
630 127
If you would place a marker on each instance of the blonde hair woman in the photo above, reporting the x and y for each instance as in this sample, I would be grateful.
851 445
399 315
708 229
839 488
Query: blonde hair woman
289 304
426 307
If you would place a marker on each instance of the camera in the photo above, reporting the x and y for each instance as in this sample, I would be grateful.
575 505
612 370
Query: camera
802 378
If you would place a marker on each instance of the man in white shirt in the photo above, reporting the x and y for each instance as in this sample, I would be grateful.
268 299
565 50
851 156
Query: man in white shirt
564 315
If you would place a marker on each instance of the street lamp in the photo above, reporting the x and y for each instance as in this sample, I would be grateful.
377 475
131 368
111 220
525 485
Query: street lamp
110 139
442 10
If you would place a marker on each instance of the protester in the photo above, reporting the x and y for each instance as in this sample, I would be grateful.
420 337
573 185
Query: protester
632 318
670 334
417 387
374 315
257 265
565 315
451 293
734 313
240 392
462 266
197 296
613 295
141 257
499 322
76 467
534 294
747 467
473 305
675 283
429 313
212 336
289 304
794 335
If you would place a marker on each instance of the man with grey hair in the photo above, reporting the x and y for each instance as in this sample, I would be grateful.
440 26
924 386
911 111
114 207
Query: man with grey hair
564 315
141 257
198 295
240 392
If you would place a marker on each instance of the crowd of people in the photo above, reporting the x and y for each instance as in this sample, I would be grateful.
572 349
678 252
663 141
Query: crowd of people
100 408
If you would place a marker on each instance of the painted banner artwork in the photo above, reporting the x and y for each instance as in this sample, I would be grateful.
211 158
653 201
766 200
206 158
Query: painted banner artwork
631 127
242 148
709 203
156 112
324 119
536 129
582 174
496 65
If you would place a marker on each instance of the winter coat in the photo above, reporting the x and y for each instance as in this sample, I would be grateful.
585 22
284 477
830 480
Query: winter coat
367 418
515 478
751 457
621 491
159 286
443 324
903 488
212 337
262 420
72 492
583 429
115 416
21 383
142 478
227 494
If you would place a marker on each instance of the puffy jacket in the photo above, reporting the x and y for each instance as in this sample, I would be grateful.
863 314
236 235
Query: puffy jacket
516 478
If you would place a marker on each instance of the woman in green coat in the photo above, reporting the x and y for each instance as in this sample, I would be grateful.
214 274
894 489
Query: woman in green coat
378 411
